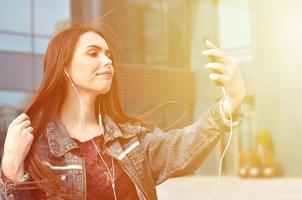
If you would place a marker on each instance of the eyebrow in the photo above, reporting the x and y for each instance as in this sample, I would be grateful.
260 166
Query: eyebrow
97 47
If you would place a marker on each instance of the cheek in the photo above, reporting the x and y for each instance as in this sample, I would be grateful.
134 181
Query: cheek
83 68
85 62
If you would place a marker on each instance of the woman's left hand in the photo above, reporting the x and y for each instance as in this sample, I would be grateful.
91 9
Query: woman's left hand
228 74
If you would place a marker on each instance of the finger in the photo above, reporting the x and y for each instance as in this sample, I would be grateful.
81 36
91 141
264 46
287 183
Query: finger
19 119
211 45
216 66
29 130
25 124
219 54
31 138
216 77
213 52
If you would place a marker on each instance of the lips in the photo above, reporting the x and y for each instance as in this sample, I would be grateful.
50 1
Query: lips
107 73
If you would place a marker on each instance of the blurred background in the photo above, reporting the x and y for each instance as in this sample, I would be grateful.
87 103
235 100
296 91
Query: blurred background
164 83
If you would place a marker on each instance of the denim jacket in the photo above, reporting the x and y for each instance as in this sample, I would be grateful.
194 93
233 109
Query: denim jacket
148 157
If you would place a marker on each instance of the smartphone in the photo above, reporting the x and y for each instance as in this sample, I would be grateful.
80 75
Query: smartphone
215 40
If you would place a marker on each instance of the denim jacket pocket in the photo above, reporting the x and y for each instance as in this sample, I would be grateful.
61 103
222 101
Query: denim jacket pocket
61 171
134 151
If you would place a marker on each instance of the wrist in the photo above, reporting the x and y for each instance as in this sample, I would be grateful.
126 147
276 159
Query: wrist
14 177
12 172
227 110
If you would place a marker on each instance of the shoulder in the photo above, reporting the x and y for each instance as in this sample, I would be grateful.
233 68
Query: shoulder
132 129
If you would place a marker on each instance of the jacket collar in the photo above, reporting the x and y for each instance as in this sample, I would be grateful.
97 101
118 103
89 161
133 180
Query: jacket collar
60 142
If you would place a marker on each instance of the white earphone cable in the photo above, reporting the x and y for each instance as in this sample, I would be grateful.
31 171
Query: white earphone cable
112 175
223 154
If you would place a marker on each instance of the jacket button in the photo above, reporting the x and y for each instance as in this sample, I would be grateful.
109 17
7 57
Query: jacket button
63 177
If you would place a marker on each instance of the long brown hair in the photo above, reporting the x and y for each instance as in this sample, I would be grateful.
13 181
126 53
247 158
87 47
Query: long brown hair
49 97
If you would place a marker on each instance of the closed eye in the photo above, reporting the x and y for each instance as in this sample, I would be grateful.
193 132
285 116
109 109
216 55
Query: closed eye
94 50
92 53
108 54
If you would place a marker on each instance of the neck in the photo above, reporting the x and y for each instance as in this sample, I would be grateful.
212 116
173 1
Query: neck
73 111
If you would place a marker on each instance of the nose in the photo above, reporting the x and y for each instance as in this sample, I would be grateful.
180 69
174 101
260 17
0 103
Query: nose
106 62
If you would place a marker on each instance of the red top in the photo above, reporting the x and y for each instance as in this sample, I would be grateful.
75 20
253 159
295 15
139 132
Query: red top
98 178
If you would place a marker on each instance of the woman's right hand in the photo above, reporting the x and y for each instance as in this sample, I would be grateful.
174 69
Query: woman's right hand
17 144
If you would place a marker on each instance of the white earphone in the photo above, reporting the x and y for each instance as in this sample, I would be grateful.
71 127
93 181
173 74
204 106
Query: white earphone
73 86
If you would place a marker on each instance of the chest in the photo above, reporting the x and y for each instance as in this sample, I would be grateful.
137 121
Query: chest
74 168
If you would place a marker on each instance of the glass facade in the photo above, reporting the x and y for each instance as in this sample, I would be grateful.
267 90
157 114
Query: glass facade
25 29
160 44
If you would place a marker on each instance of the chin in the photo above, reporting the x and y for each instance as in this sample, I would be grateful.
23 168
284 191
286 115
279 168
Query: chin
103 90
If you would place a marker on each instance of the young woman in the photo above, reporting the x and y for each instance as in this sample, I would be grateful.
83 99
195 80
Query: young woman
76 142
